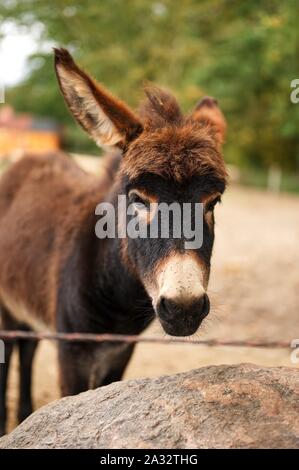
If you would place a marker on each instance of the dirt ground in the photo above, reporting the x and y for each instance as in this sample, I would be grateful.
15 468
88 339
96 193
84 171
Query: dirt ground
254 290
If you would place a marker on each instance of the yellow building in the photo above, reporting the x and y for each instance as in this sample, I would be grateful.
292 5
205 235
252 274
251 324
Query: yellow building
22 133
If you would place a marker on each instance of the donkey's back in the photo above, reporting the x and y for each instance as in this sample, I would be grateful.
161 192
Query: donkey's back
43 202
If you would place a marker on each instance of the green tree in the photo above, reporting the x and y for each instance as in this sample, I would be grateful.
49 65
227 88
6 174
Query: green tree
243 53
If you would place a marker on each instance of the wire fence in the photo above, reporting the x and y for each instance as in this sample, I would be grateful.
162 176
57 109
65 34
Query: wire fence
112 338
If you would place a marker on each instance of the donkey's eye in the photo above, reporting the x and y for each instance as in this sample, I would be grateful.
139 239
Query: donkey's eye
211 204
138 201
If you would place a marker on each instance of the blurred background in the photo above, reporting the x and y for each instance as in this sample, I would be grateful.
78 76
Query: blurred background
246 54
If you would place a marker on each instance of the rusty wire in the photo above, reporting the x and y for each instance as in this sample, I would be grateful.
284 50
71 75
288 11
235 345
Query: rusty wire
106 337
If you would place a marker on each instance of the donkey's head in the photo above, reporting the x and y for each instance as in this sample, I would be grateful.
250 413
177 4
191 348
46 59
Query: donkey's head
167 158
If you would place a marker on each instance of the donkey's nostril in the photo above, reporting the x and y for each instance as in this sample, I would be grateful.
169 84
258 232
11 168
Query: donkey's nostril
205 306
162 301
200 308
169 309
165 308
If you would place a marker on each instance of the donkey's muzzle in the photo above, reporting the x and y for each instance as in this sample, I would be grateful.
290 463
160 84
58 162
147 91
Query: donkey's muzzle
182 319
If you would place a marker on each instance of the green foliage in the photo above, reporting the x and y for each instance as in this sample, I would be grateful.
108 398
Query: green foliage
259 178
244 53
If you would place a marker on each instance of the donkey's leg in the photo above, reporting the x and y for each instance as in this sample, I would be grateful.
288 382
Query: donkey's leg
27 349
74 366
7 323
120 355
4 368
89 365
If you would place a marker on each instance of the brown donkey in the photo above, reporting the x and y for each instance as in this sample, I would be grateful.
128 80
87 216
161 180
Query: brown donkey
56 273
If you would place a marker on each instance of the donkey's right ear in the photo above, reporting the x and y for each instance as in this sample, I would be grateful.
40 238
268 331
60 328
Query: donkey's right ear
208 112
108 120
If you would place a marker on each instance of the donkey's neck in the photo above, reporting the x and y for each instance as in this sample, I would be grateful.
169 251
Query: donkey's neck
120 294
116 294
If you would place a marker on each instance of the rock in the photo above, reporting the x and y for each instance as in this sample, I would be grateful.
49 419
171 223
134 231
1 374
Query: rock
239 406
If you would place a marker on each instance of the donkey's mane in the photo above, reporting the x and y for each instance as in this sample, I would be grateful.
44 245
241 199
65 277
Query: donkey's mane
159 108
172 145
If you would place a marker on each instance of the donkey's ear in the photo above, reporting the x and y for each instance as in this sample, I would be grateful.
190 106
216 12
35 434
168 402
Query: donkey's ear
208 112
105 118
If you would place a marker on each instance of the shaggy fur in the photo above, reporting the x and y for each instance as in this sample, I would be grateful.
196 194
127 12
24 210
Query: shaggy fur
54 271
175 152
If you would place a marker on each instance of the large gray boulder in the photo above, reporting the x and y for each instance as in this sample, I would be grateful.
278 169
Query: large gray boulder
242 406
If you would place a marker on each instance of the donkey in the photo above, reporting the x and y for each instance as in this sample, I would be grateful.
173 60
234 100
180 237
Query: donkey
55 273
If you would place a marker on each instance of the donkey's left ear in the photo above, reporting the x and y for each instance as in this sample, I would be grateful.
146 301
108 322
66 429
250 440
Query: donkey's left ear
108 120
208 112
